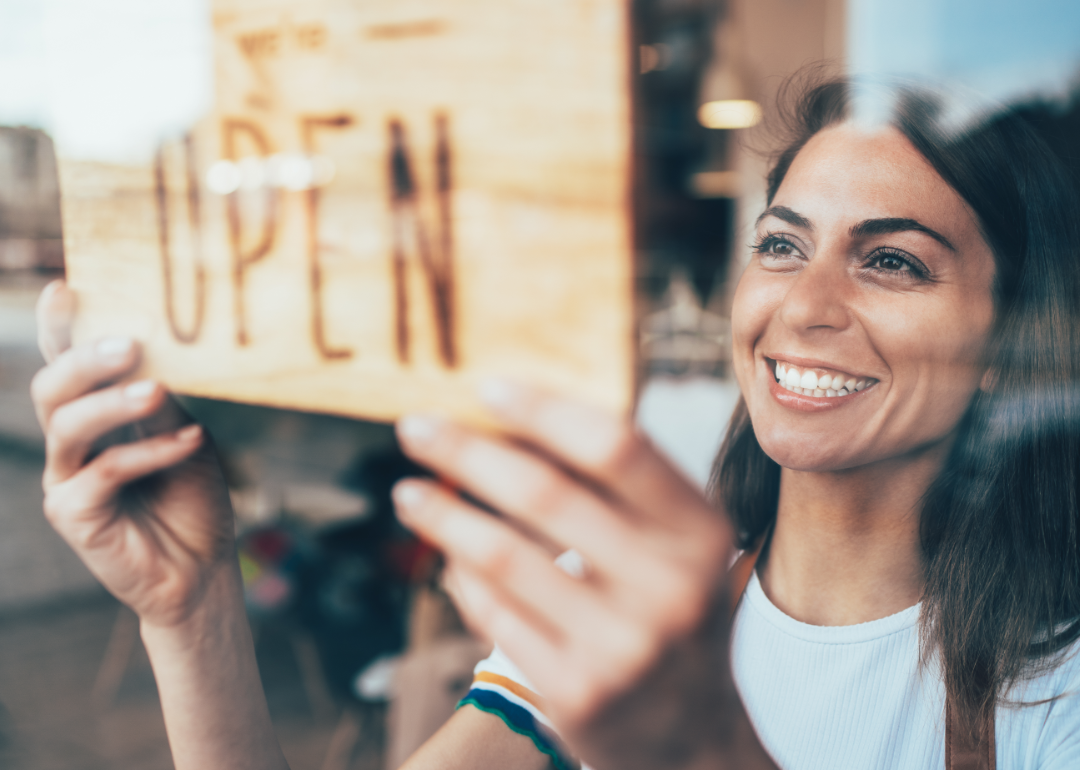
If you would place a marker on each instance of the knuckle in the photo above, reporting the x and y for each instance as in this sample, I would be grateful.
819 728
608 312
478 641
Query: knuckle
107 467
48 478
54 512
60 429
448 443
58 510
40 388
546 493
622 447
499 557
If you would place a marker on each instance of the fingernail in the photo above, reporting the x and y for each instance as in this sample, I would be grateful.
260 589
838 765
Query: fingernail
417 429
142 389
499 394
189 432
114 347
49 290
408 495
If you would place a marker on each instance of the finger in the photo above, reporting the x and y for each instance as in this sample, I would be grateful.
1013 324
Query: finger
492 616
74 507
450 583
78 371
55 313
575 676
601 446
77 425
649 574
526 583
526 486
525 572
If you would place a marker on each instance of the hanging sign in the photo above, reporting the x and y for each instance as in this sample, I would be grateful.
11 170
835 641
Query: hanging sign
386 203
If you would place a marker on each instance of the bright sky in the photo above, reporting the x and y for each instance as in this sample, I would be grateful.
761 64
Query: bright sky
1003 49
108 78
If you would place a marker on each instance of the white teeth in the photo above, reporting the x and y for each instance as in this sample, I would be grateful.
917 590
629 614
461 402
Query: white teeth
826 386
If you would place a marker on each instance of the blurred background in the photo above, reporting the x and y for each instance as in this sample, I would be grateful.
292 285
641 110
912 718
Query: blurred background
361 654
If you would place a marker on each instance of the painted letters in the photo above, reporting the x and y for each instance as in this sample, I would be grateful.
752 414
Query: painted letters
242 260
161 191
408 227
430 244
308 127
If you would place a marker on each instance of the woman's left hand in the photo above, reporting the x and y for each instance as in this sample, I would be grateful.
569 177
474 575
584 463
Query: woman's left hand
632 656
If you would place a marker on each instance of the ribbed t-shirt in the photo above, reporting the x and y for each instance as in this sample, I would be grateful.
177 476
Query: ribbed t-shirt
840 697
827 697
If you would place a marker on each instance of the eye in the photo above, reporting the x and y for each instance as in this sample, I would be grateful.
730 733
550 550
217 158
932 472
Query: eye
774 245
895 262
891 262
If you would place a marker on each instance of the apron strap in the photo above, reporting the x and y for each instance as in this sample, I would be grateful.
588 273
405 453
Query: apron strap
961 753
740 572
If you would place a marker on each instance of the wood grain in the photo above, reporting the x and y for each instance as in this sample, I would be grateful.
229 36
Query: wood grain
476 222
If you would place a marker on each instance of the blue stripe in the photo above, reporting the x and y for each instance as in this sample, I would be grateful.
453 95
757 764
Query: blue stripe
521 721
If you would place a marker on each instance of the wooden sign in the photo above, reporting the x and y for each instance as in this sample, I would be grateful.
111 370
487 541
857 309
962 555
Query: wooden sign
389 202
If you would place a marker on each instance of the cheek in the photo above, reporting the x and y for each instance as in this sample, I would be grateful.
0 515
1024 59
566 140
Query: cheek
755 302
935 360
945 339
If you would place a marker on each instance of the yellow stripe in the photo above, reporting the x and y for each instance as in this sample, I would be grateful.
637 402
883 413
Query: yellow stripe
522 692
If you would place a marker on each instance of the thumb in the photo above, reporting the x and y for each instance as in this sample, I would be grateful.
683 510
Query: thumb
55 314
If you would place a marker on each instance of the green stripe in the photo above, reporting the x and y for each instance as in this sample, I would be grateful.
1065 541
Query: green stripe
556 759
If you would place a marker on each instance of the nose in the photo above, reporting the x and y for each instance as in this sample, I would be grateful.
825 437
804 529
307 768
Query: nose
817 299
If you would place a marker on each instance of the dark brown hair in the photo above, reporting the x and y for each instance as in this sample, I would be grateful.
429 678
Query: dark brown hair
1000 527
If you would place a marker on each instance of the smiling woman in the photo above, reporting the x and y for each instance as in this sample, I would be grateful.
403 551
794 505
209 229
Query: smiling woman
939 272
901 474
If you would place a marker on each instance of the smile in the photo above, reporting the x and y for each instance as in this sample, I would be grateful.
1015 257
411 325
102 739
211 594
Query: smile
819 383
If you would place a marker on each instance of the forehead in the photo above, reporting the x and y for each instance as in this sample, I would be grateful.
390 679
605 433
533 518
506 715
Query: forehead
848 174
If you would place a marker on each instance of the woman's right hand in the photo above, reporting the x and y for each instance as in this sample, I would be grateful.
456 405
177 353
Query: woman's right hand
130 482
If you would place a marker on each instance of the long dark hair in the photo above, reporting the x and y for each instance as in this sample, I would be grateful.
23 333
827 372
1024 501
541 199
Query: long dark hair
1000 527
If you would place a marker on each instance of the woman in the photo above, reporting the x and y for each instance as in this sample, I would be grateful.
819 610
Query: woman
903 464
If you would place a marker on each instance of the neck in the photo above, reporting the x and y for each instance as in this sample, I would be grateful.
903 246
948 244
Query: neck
845 548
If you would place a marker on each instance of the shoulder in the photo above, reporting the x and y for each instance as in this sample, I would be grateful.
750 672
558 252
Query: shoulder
1039 723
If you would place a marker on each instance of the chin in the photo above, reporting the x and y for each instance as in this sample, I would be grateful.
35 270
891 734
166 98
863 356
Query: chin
803 453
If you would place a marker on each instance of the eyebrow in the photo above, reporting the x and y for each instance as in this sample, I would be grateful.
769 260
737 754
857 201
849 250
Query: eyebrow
897 225
867 227
787 215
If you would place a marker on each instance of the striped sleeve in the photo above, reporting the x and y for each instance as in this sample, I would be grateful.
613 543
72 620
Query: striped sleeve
501 689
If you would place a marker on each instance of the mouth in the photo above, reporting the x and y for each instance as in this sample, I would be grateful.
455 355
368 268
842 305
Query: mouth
817 382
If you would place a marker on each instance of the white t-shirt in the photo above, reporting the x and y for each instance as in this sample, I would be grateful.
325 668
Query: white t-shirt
839 697
827 697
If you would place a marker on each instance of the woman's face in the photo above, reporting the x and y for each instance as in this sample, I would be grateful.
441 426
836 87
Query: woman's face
870 292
